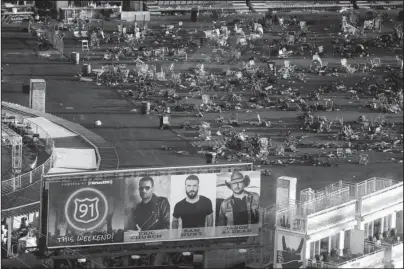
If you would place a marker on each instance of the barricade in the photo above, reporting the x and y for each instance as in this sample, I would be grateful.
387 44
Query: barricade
24 180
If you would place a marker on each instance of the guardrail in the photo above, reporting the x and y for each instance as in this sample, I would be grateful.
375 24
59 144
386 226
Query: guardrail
104 160
312 263
373 184
373 250
327 4
24 180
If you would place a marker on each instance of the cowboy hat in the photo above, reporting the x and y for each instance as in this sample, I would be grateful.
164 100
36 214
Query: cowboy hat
238 177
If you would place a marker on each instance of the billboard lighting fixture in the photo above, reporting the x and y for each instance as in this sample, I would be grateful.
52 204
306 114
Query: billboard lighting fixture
81 260
187 253
242 250
135 257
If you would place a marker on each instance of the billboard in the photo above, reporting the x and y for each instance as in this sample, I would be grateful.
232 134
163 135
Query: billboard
97 210
289 250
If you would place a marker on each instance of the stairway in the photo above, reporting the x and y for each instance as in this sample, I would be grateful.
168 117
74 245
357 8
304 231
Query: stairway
259 6
241 7
153 7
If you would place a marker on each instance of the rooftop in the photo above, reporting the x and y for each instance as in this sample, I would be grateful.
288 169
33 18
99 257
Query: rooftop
333 195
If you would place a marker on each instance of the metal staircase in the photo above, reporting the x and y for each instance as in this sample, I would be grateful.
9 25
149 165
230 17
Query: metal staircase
153 7
259 6
241 7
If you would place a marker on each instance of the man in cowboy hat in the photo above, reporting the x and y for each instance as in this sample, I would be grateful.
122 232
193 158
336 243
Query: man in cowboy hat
242 207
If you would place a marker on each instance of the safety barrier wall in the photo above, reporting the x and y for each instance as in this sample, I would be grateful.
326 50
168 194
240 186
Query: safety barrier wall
24 180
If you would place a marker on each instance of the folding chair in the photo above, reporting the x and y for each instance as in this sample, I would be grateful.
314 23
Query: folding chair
332 156
363 159
84 45
280 151
362 67
375 62
340 153
234 118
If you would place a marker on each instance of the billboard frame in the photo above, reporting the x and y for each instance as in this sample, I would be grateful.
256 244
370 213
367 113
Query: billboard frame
137 172
197 169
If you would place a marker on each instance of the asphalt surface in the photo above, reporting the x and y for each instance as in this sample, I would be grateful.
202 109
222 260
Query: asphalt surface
136 137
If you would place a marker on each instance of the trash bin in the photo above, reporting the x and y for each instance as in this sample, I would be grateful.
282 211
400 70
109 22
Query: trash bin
194 14
145 108
86 69
164 121
75 57
210 158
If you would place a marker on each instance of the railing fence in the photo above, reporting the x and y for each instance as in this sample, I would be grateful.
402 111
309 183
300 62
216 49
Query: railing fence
24 180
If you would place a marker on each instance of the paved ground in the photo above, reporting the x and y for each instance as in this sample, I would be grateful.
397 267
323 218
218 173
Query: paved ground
136 137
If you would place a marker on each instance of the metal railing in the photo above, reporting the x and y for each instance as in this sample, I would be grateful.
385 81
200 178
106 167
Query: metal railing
312 263
373 184
326 4
369 250
26 179
338 193
293 218
327 201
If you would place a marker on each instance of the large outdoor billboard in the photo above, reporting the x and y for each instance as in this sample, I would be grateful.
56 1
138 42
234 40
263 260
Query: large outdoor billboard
138 209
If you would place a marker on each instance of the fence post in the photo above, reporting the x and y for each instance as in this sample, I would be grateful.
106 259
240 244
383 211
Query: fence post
30 177
13 184
43 170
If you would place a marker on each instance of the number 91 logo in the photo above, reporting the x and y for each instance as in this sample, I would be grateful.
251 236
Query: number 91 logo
86 209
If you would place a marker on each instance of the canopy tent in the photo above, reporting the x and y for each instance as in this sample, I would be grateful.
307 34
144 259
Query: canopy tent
84 159
54 130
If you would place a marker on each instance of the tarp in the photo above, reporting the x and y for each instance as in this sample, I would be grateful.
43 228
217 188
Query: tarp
56 170
53 130
74 158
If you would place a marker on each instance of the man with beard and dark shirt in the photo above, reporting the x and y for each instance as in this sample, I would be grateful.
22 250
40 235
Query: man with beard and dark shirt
153 212
242 207
195 210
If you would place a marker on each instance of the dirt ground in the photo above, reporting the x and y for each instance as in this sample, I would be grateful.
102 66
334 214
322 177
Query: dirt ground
138 140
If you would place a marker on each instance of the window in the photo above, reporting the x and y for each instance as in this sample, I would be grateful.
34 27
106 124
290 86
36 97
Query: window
335 241
312 250
387 223
377 226
368 229
324 245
